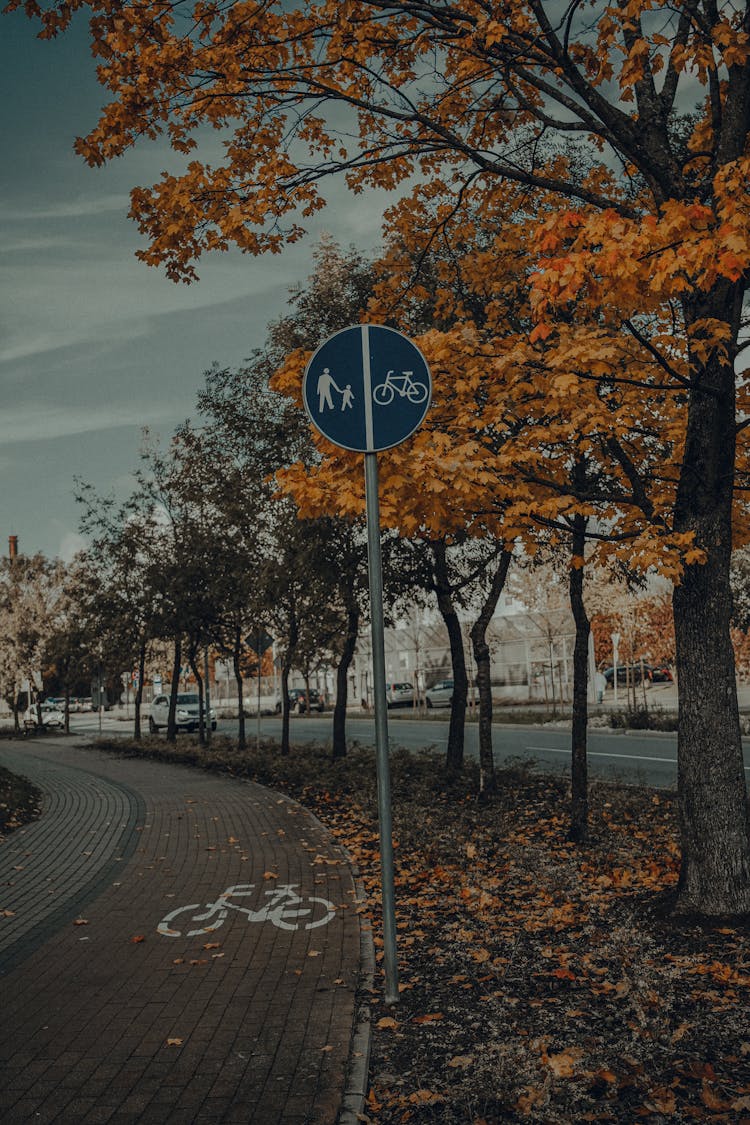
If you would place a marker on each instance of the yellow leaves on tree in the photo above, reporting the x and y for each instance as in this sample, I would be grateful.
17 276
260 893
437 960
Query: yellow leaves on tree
512 401
564 297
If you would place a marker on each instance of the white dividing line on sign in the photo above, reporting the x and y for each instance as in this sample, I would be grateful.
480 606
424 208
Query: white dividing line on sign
367 386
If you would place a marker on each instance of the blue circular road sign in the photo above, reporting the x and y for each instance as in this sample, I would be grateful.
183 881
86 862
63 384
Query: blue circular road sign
367 388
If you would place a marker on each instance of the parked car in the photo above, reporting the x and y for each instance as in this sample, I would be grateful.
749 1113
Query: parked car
399 695
631 673
440 694
299 701
52 716
187 715
660 674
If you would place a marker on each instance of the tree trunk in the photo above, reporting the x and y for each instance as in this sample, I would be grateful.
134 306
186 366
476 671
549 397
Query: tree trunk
174 688
342 681
454 756
207 695
285 670
579 806
241 739
292 635
139 692
201 699
712 794
487 775
715 869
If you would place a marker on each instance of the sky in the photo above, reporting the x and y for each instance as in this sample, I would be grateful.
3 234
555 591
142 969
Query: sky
94 345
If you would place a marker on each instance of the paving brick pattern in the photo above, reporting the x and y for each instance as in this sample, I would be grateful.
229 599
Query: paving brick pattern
106 1020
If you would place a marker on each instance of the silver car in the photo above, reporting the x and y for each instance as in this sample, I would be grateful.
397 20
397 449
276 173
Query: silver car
399 694
440 694
187 715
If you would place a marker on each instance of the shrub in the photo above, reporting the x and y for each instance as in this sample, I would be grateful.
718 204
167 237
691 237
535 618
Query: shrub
643 718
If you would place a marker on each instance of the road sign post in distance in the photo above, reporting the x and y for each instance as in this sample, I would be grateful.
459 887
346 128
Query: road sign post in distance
368 388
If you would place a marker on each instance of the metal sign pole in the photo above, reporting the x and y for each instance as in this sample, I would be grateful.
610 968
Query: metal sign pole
381 727
367 388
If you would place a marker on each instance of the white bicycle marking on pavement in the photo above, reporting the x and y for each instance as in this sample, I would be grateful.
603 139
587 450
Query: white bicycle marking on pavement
285 909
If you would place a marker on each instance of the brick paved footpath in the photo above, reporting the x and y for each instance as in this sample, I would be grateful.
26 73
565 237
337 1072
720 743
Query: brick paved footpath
263 1020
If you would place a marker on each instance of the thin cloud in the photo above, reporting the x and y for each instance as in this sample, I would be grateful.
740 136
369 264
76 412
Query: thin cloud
70 544
68 209
26 245
47 343
138 316
49 422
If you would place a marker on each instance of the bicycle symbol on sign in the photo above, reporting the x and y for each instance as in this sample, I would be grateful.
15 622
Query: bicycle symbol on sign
286 910
403 385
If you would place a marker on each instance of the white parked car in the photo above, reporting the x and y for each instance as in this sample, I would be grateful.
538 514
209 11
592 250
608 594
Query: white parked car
440 694
187 715
52 716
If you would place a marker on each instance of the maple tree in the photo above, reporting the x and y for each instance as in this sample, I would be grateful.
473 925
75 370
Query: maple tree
588 389
569 470
117 599
179 556
444 586
467 572
461 500
633 119
432 523
89 609
259 432
459 510
31 602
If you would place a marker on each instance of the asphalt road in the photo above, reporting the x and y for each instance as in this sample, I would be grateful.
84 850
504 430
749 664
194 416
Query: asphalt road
648 757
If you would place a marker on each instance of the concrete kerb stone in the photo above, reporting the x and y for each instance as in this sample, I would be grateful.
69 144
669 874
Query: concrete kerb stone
358 1067
358 1071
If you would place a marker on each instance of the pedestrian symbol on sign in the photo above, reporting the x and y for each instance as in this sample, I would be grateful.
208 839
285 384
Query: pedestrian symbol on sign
326 381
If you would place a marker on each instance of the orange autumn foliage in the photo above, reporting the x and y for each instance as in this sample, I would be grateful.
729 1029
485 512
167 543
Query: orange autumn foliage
626 129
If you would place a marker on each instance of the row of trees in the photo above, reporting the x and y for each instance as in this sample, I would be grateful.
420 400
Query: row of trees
583 173
207 550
